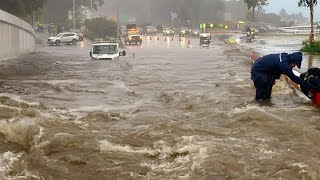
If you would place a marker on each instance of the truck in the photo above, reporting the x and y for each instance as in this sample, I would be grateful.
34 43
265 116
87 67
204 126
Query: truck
131 29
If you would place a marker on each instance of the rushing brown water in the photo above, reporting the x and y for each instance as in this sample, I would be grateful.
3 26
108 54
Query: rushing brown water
166 112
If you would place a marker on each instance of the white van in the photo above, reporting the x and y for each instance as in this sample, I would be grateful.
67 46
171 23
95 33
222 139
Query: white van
106 51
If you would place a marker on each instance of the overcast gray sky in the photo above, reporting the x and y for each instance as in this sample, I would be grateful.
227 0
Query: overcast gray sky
291 6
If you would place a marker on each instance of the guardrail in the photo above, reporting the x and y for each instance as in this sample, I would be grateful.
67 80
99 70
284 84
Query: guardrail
16 36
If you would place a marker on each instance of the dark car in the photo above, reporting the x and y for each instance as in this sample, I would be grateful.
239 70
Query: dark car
185 32
205 39
78 32
195 32
262 30
134 39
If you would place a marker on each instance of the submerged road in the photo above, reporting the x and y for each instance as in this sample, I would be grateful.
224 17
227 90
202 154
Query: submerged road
165 111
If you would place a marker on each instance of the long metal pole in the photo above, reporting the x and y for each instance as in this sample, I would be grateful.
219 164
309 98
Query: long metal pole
91 11
148 6
244 10
118 26
33 24
74 14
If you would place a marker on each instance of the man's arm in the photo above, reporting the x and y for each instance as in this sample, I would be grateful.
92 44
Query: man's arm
299 81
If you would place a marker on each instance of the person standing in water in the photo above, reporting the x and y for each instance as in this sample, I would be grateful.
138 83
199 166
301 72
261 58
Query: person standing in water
267 69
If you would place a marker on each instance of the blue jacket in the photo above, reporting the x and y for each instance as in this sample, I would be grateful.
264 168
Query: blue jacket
277 64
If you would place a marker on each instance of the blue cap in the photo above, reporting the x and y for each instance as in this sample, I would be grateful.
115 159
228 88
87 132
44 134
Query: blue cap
296 58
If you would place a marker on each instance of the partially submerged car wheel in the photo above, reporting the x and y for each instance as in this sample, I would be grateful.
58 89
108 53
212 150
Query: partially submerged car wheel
74 42
58 42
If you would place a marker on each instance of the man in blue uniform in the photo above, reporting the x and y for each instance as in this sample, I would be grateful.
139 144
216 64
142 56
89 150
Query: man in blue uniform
266 69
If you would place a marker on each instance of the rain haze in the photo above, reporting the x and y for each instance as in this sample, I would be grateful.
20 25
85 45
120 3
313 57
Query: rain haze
290 6
158 89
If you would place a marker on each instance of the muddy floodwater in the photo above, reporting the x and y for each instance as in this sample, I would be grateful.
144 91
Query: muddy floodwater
168 110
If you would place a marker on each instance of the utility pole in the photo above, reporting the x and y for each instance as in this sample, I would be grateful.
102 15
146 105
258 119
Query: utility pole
148 9
91 10
244 10
118 26
74 14
33 25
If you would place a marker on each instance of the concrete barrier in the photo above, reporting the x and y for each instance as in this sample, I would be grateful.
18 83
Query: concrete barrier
16 36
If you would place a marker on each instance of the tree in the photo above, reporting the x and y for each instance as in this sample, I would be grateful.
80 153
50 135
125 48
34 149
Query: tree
101 27
255 4
58 9
283 14
22 9
310 4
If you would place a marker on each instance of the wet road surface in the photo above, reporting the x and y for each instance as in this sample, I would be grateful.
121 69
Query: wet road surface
165 111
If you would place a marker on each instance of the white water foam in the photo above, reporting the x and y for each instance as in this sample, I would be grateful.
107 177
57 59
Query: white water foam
6 162
105 146
18 99
245 109
20 131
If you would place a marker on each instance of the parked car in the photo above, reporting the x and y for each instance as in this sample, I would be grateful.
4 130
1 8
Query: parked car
67 38
78 32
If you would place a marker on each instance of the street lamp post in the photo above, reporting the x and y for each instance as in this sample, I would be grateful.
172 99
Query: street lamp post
148 9
74 14
244 10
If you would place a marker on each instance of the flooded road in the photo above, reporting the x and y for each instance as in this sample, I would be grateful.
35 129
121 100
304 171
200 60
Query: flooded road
165 111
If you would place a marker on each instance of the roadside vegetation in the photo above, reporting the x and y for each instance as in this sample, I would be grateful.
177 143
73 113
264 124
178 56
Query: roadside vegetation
22 9
310 45
100 28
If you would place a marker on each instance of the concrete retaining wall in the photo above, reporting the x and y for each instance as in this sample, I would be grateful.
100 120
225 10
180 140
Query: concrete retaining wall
16 36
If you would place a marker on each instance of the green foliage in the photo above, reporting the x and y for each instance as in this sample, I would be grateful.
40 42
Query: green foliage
255 4
21 8
100 28
58 10
306 3
311 47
